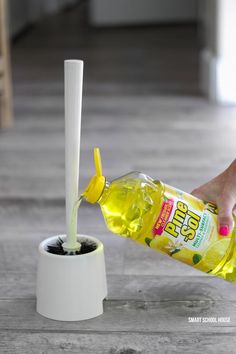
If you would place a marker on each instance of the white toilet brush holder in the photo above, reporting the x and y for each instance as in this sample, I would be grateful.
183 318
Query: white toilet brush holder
71 287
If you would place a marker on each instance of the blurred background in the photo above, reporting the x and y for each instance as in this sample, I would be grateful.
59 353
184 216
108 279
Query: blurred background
159 96
155 74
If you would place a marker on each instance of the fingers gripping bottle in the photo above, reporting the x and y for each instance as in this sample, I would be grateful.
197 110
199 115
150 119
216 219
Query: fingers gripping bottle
164 218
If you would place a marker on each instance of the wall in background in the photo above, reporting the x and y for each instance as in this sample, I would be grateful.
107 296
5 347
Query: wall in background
226 51
218 55
128 12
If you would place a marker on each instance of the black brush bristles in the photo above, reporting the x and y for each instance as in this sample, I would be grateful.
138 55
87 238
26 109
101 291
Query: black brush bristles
56 248
87 246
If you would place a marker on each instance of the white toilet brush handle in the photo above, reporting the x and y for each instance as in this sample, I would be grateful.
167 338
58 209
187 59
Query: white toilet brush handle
73 105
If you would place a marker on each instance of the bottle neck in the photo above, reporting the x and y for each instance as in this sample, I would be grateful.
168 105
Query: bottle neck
104 194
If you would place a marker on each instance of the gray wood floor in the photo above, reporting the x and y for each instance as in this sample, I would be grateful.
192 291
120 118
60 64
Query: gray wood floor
142 107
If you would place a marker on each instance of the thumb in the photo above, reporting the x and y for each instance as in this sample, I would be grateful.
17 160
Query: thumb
225 204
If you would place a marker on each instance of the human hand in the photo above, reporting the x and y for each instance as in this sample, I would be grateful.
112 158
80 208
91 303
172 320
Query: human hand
221 191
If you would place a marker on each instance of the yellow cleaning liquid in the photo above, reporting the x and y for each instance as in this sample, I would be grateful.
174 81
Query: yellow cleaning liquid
166 219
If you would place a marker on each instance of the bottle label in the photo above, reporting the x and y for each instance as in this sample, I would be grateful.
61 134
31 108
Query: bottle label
187 230
181 222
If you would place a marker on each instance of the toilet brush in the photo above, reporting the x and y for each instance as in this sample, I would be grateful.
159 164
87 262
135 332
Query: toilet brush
69 244
73 70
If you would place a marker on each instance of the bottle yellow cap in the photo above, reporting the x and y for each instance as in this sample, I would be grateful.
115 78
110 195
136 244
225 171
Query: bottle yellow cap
94 189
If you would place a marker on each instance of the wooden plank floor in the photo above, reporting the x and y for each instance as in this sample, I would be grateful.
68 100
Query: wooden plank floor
143 108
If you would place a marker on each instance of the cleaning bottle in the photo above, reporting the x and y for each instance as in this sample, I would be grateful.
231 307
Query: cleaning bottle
164 218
